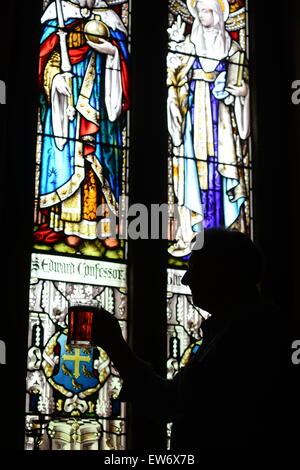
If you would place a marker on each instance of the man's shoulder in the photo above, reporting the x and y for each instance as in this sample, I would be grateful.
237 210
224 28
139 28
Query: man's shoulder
70 10
247 330
259 314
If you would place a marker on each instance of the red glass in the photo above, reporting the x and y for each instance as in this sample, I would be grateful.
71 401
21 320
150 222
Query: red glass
81 320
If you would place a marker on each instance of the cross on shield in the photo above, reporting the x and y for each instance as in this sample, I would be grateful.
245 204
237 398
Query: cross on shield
76 372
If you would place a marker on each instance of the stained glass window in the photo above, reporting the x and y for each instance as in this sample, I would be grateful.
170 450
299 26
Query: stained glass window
82 157
209 170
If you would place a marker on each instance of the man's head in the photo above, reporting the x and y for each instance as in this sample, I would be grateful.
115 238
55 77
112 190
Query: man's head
228 265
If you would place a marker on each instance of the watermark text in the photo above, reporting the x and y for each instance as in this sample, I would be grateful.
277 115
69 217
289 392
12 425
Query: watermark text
137 221
2 352
2 92
296 354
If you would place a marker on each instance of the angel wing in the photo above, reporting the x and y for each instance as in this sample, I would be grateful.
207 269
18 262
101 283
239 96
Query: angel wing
178 7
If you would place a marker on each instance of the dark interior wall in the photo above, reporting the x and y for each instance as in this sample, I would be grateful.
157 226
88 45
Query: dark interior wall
147 258
276 121
275 58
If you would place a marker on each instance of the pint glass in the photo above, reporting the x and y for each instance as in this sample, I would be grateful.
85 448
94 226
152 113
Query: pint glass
81 316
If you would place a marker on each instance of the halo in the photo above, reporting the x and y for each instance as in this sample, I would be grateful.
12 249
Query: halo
115 2
225 8
223 4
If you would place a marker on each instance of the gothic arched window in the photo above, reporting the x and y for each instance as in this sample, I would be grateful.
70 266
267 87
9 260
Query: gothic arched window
209 169
78 256
83 167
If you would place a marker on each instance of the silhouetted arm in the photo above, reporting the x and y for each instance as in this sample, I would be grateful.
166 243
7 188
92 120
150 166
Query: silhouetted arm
152 394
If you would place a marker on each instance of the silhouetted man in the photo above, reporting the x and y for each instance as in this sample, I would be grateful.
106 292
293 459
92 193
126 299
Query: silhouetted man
218 401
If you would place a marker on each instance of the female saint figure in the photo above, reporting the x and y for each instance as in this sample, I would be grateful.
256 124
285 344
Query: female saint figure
208 121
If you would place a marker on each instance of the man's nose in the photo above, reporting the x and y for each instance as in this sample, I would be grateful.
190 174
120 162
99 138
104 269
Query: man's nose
185 279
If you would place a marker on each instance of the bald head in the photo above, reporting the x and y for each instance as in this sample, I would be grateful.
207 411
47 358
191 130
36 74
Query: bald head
233 250
228 265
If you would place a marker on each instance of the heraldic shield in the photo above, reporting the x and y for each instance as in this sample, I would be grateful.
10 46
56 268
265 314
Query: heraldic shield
75 370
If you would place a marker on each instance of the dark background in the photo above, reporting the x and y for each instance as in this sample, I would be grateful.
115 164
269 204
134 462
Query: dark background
275 64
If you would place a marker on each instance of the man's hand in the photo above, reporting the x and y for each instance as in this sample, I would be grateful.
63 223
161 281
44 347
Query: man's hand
235 90
108 335
107 332
104 47
60 84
